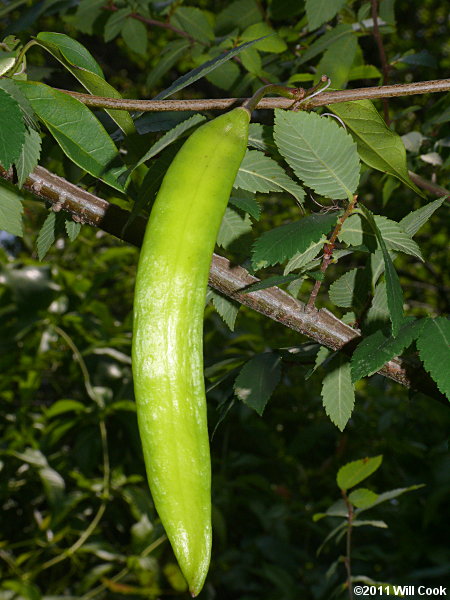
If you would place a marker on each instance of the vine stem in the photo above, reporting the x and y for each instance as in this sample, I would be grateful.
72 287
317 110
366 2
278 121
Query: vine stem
348 545
328 251
325 98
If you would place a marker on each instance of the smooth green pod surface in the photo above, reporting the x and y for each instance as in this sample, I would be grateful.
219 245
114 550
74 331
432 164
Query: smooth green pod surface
169 303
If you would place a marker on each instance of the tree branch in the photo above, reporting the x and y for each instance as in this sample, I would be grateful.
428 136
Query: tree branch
319 325
368 93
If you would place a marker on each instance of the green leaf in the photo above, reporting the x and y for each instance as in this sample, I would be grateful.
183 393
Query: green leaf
272 43
202 70
338 395
232 227
115 23
226 76
390 495
53 226
302 259
227 309
29 156
241 13
81 136
251 60
356 231
270 282
72 228
434 350
10 86
82 65
321 11
281 243
170 137
134 35
320 152
378 146
11 209
247 202
169 56
351 289
337 61
62 406
363 498
194 22
325 41
12 129
393 287
371 523
260 173
260 137
416 219
258 379
378 313
377 349
354 472
87 13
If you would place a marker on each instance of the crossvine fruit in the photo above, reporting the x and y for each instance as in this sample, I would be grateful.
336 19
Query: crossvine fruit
167 356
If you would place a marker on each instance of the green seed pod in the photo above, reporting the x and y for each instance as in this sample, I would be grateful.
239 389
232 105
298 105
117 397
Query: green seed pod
169 303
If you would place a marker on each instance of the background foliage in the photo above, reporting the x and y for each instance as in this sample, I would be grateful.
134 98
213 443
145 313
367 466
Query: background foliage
77 518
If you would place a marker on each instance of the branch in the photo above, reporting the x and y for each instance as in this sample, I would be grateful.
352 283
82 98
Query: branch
319 325
370 93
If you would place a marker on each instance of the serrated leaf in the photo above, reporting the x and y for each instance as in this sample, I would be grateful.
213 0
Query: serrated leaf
351 289
363 498
356 231
258 379
72 228
194 22
12 129
29 156
79 133
338 395
170 137
321 11
380 347
378 313
227 309
11 209
393 287
202 70
134 35
260 173
356 471
10 86
52 226
260 137
337 61
378 146
301 259
434 350
412 222
320 152
246 202
82 65
282 243
232 227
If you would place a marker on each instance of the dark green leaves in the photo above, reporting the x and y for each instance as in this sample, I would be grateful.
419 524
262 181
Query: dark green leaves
338 395
11 209
310 144
12 129
434 349
283 242
354 472
257 380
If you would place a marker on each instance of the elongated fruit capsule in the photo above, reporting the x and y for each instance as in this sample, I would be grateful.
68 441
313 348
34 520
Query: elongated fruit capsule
168 334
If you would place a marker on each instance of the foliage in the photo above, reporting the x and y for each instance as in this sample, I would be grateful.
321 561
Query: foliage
78 519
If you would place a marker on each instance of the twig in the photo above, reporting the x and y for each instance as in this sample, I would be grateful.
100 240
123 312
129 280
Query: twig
328 251
319 325
382 53
325 98
348 551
